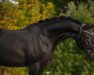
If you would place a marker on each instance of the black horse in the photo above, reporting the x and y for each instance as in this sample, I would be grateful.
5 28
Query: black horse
33 45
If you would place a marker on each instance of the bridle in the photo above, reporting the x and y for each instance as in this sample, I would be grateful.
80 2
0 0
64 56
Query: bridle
83 39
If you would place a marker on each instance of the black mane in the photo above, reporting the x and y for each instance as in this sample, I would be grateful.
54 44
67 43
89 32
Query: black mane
55 20
60 18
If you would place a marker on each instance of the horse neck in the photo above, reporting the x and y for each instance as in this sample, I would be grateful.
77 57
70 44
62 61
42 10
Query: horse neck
56 29
58 38
59 32
65 35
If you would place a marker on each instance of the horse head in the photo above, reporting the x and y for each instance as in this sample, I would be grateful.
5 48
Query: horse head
86 41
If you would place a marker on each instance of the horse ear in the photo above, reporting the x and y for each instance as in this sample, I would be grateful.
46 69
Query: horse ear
88 27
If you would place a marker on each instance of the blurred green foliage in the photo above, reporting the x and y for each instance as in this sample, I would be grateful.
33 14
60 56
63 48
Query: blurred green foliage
68 58
83 14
